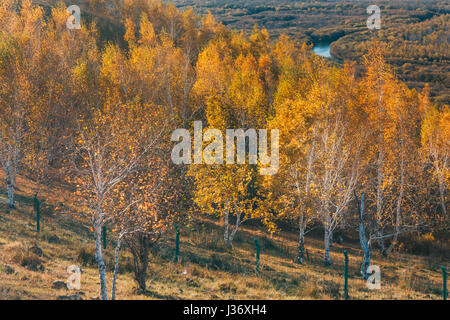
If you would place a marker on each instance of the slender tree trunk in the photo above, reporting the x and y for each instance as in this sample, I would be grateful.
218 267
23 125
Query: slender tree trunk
362 239
327 228
380 202
327 246
100 262
398 221
302 224
301 240
442 189
140 248
116 269
380 174
366 258
10 173
398 218
331 238
235 229
141 280
10 188
381 242
226 224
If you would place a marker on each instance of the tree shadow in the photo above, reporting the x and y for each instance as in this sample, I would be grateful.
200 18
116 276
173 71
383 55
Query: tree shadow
149 293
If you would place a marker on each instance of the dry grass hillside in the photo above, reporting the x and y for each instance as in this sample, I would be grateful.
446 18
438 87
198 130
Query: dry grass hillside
207 270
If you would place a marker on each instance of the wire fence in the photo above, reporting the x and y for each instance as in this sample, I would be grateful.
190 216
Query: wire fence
263 256
397 274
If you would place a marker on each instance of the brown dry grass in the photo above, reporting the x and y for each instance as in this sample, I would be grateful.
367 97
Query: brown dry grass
208 269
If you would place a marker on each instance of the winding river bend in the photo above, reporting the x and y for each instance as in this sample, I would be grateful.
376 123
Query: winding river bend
322 49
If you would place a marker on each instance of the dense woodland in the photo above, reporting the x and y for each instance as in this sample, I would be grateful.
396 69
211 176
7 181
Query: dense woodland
359 150
416 32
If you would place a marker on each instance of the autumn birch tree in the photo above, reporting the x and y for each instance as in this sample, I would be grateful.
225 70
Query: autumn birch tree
291 189
436 145
19 46
339 145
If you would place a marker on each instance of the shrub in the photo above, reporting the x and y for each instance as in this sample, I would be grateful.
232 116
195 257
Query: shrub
85 256
28 259
51 238
427 244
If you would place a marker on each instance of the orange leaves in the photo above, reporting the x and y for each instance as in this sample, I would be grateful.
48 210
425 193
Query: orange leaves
147 33
101 118
130 33
213 69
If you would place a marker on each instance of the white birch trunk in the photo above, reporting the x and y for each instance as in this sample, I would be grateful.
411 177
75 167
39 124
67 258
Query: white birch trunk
10 187
380 202
442 189
331 238
398 210
301 241
116 268
302 223
327 246
226 217
11 172
235 229
362 239
100 262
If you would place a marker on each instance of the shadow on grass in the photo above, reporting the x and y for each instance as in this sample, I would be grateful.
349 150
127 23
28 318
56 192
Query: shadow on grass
152 294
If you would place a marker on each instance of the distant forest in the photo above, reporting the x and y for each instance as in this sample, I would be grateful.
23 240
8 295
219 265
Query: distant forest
416 32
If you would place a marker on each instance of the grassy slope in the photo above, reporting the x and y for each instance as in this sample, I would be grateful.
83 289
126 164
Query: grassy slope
208 269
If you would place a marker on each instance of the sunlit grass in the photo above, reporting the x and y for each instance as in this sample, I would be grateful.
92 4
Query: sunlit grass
208 269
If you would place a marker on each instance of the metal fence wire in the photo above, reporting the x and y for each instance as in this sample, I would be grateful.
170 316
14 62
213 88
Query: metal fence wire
245 258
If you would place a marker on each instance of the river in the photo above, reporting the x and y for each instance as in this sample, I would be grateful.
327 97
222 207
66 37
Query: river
322 49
